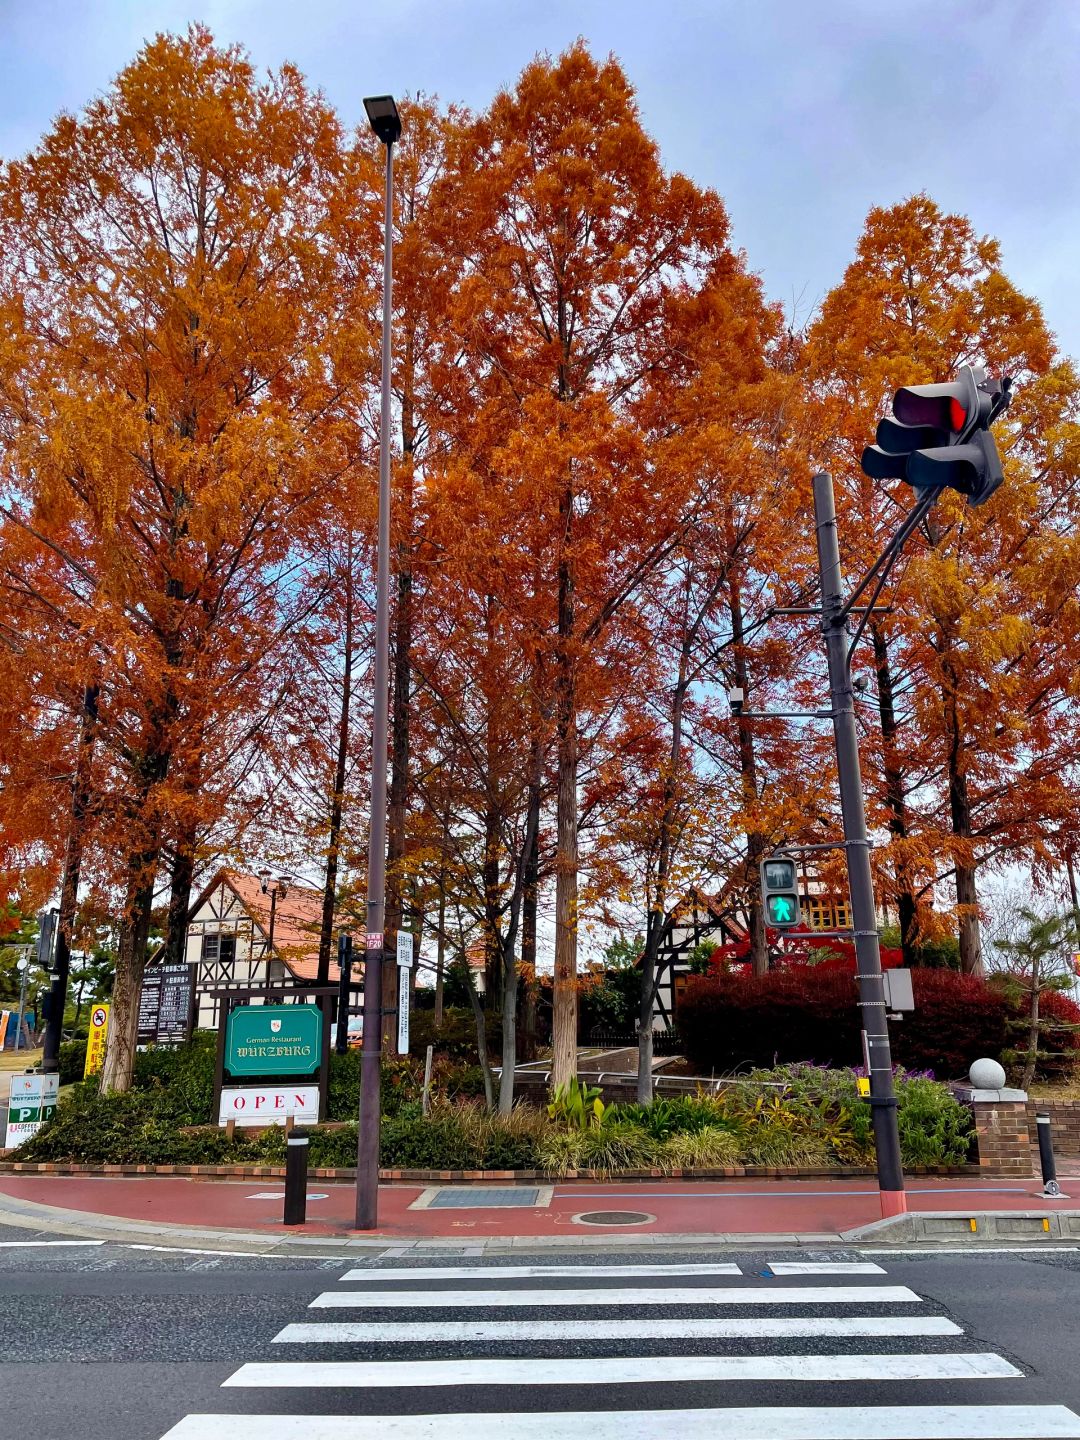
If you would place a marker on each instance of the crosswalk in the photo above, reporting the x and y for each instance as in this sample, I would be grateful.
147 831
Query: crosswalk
788 1350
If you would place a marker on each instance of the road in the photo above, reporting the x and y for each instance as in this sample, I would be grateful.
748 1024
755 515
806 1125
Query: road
111 1342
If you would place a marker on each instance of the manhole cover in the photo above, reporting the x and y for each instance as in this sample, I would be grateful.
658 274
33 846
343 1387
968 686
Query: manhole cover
614 1217
476 1199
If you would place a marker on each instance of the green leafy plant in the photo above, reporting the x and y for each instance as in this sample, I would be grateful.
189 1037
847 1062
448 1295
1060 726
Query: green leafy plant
577 1105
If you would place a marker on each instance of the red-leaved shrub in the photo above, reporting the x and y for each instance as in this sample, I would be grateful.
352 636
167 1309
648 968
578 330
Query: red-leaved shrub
730 1021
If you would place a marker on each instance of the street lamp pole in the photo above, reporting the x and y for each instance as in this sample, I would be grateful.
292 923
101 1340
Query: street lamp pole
383 116
280 887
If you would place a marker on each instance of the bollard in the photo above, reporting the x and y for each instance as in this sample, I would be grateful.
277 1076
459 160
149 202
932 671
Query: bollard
296 1160
1046 1156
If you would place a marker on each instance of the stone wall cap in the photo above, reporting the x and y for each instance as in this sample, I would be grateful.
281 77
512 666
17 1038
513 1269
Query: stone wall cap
987 1097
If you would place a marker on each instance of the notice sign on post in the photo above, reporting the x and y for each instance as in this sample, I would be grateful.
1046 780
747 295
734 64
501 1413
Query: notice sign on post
404 949
31 1102
403 1021
273 1040
95 1041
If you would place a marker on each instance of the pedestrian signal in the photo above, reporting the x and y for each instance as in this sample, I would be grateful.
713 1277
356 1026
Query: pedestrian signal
780 893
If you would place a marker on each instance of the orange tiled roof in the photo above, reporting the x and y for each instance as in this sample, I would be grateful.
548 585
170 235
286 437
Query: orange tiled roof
297 922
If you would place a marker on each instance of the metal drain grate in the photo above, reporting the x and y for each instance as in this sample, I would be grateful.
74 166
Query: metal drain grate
476 1199
614 1217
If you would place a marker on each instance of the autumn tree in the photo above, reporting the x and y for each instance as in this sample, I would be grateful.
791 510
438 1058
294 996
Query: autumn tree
969 659
174 415
578 243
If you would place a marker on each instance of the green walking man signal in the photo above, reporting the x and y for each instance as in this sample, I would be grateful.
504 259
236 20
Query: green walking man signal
780 893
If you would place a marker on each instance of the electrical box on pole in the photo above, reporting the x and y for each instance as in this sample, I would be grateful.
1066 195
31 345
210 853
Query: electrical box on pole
780 893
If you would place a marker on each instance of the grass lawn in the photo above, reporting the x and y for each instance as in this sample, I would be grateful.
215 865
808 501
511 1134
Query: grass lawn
19 1060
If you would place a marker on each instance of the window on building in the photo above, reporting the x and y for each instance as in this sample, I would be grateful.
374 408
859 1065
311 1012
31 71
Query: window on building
218 960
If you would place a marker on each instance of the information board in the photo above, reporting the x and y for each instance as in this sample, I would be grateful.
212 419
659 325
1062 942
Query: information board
165 1004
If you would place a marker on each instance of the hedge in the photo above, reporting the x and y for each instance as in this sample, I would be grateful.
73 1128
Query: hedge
809 1013
793 1116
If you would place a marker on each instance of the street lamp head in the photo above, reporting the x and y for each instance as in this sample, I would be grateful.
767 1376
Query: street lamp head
264 880
283 884
383 117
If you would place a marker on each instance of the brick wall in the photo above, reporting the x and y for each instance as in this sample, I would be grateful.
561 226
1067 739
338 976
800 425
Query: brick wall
1004 1140
1064 1124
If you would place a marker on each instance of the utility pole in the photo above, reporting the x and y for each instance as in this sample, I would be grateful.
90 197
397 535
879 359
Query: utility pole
875 1026
383 116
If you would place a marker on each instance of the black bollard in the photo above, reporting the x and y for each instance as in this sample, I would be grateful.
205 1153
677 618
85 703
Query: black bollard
296 1157
1046 1156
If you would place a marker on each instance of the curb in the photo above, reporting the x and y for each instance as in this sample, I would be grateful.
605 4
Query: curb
930 1228
487 1177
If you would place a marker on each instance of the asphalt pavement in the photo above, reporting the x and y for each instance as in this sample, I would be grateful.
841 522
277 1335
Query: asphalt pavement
111 1341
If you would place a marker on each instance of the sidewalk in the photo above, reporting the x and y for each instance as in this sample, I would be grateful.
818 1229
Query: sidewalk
173 1210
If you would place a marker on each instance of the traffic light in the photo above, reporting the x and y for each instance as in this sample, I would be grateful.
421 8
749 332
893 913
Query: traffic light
780 893
939 436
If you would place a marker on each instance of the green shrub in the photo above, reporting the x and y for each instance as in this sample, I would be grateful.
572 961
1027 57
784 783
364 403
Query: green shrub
72 1061
618 1146
935 1129
710 1147
457 1036
560 1151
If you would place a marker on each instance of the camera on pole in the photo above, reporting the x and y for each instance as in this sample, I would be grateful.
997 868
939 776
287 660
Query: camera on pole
938 436
780 893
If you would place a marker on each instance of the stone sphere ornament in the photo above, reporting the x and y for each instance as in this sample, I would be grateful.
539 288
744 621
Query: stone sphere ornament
987 1075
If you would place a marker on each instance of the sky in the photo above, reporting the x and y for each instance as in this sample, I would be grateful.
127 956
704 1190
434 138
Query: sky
802 115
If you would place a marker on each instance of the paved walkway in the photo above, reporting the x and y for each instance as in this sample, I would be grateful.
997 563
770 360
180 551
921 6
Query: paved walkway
811 1209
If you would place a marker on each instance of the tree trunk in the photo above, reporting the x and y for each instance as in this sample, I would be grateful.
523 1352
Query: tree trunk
337 804
509 945
657 918
895 799
127 987
403 638
565 997
967 900
509 1034
481 1033
181 876
755 842
530 1019
1032 1057
69 889
440 958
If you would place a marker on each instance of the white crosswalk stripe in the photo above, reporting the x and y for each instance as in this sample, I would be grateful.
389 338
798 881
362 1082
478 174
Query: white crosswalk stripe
762 1422
561 1377
605 1328
412 1276
625 1370
728 1295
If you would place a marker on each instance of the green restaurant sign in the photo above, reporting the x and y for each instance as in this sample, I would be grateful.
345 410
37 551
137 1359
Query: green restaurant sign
273 1040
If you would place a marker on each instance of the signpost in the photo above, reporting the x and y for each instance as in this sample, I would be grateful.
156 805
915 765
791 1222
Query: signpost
273 1040
166 1005
95 1042
30 1103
